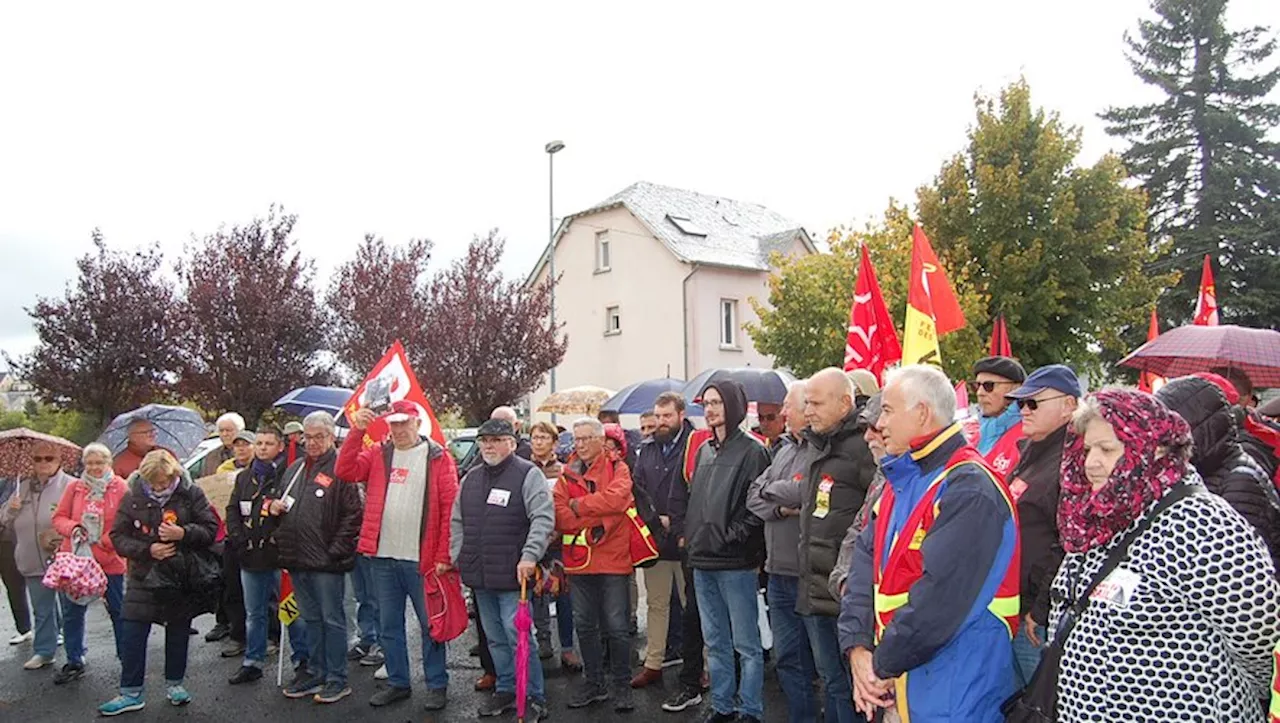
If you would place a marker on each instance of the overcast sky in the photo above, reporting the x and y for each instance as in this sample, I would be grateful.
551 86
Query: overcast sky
155 122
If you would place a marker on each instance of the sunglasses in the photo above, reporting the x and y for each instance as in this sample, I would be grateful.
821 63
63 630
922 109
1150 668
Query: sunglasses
988 386
48 458
768 417
1034 404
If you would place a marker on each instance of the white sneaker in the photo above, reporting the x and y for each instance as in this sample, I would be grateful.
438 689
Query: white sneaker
381 673
60 641
22 638
37 662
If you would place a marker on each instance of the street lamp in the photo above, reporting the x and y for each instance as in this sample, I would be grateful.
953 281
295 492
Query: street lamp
552 149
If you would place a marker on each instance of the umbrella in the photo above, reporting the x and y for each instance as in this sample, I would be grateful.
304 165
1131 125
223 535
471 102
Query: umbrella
178 429
1190 349
15 451
305 400
585 399
524 624
764 386
639 397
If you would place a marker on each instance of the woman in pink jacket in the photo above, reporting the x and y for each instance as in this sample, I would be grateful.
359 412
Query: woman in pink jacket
88 509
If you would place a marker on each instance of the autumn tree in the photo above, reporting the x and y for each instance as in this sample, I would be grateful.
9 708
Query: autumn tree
1207 157
108 344
488 341
376 298
252 327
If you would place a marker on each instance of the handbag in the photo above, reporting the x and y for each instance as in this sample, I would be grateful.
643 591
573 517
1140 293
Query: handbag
1038 701
76 574
446 607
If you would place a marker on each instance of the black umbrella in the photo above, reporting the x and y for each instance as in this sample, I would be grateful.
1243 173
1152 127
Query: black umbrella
763 386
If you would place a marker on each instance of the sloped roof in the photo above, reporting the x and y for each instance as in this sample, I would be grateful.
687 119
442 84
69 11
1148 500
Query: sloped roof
703 229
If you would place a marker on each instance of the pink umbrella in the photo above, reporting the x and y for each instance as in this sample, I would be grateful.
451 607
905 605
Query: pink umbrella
524 623
1191 349
16 446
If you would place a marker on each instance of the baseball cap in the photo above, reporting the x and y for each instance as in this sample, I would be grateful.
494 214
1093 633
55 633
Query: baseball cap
496 428
403 411
293 428
1055 376
1001 366
246 435
870 413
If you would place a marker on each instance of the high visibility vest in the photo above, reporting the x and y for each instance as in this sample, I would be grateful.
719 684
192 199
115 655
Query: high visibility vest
1005 455
577 544
1273 715
893 579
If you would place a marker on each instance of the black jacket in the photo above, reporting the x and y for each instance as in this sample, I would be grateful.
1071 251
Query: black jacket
319 531
722 534
1227 471
657 473
251 532
137 526
839 469
1260 451
1036 485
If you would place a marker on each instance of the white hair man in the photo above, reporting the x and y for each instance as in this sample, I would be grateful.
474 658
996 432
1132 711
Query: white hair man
228 426
934 580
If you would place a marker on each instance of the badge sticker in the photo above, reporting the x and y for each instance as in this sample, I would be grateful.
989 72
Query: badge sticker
399 475
171 517
320 493
324 481
246 508
822 505
499 497
1117 590
1018 488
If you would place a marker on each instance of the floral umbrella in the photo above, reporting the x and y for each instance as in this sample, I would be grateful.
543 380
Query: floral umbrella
15 452
576 400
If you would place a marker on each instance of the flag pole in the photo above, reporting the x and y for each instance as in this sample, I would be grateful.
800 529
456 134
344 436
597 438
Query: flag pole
284 640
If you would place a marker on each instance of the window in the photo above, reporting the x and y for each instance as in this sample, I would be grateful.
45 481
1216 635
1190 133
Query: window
602 251
612 321
729 323
686 225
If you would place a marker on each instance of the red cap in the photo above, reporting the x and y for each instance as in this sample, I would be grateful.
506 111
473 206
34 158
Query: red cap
403 411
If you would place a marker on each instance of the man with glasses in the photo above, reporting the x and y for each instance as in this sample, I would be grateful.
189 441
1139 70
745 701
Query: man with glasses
142 439
771 425
1046 400
1000 426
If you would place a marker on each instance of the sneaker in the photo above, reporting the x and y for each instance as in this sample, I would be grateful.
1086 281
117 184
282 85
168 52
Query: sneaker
381 673
485 682
588 694
304 683
21 638
389 695
623 701
497 704
358 651
545 651
683 700
177 695
60 640
219 632
122 704
272 648
37 662
233 649
672 659
332 692
69 672
246 674
437 698
373 657
712 716
536 710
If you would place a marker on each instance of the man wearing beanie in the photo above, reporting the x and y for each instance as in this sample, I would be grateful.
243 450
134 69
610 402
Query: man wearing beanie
1000 426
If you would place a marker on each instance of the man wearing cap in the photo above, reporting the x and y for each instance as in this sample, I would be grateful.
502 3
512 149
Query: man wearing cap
1000 426
231 611
292 442
501 523
410 485
1046 401
241 453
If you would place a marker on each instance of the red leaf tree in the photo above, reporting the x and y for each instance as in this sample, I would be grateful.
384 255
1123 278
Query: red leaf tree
109 343
252 327
376 298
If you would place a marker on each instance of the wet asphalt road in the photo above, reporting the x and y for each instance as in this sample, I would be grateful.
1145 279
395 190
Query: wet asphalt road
31 696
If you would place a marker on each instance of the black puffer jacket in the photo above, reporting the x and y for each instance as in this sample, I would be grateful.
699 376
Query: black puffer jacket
839 469
722 534
319 531
1227 471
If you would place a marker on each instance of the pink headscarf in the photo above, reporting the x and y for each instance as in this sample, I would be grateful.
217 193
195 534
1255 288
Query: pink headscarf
614 431
1143 425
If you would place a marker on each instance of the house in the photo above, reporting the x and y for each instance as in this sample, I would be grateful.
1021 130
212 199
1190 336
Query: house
14 392
656 281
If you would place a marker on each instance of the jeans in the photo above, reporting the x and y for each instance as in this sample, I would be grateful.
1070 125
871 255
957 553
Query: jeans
396 581
73 616
366 600
1026 657
133 653
261 587
730 614
320 603
47 605
15 586
833 668
497 610
602 611
691 641
564 618
791 649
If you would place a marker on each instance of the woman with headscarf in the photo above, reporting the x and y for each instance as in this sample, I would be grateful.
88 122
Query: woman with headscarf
163 521
1184 626
30 514
86 511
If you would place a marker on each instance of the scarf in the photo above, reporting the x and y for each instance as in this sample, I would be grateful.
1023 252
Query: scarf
1141 477
97 485
991 429
160 496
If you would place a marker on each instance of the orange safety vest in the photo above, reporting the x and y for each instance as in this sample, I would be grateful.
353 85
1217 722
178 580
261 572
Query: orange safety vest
893 579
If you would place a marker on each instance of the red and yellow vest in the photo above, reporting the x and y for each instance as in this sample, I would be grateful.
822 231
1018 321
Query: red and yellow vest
642 547
1273 716
1004 456
905 565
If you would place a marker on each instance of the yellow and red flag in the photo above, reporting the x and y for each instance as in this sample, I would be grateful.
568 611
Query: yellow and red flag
1207 303
400 379
288 611
872 343
932 309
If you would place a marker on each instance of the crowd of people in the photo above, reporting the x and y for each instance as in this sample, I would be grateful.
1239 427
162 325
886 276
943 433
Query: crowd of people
1116 548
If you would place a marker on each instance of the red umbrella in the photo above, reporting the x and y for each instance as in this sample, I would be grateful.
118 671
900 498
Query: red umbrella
15 451
524 623
1190 349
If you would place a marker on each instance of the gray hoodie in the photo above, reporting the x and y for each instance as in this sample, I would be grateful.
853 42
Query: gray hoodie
33 519
777 488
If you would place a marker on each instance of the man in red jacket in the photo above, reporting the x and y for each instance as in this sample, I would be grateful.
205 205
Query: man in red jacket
410 486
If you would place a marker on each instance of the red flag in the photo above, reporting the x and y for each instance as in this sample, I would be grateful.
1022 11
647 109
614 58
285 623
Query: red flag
1207 304
932 309
1148 382
404 385
872 343
1000 339
947 315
